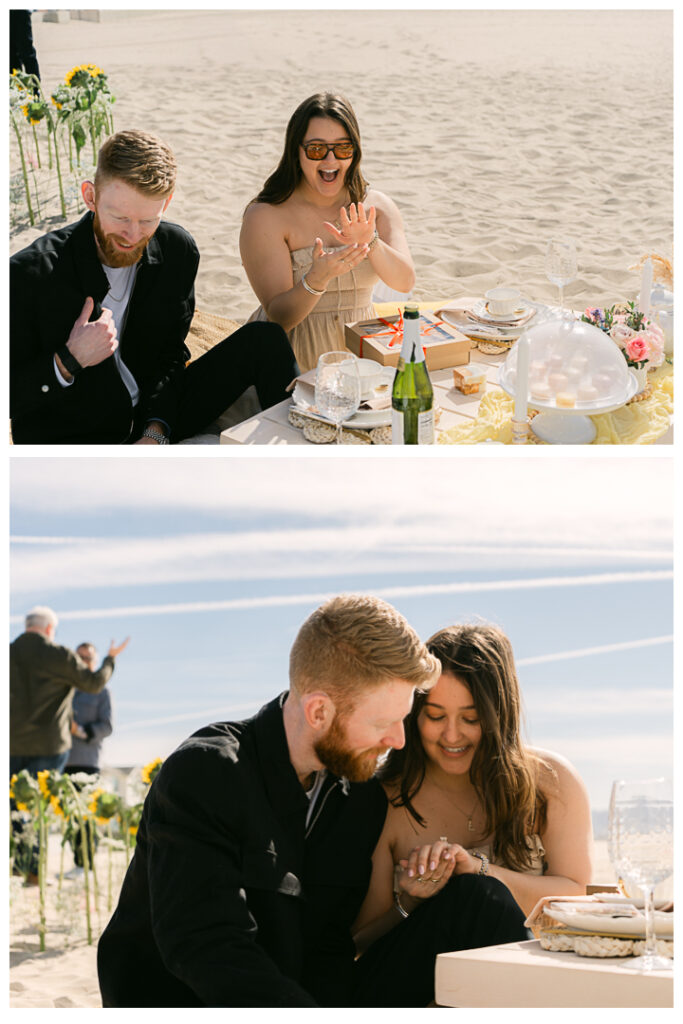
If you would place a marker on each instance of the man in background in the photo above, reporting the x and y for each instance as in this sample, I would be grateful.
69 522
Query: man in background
22 52
43 677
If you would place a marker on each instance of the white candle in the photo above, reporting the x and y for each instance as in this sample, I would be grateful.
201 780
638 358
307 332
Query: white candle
646 288
522 378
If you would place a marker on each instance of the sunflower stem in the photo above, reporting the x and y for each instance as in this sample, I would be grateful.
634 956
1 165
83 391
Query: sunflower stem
23 171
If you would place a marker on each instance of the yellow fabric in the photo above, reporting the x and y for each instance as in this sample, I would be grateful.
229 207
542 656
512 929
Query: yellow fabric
637 423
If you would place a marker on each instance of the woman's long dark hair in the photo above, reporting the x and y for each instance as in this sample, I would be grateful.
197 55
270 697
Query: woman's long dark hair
285 178
503 773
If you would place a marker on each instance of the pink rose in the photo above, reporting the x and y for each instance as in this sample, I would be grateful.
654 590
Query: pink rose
655 339
637 349
621 334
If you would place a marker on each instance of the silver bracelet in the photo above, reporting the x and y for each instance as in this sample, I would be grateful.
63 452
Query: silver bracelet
373 241
484 869
155 435
309 289
399 906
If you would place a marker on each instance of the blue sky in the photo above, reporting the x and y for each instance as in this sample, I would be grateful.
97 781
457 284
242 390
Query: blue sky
211 565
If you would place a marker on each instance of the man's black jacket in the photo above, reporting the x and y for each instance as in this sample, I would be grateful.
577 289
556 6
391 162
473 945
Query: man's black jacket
227 901
49 283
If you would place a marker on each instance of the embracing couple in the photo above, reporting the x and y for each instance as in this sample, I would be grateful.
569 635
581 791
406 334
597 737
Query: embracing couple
277 866
100 309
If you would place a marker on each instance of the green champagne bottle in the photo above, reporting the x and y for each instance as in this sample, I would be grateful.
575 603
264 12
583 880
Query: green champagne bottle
412 397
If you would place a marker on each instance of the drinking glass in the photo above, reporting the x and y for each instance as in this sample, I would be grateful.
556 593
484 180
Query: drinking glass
640 844
337 387
560 265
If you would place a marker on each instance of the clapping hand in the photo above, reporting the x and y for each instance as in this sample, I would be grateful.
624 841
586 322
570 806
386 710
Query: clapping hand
355 225
427 869
327 265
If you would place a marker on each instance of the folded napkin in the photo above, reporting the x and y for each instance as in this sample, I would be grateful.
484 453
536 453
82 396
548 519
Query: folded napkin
593 915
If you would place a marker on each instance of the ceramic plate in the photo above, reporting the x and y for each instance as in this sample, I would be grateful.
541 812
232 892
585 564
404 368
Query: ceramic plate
364 418
480 308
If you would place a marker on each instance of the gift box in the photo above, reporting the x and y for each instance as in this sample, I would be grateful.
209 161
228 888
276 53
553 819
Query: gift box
381 339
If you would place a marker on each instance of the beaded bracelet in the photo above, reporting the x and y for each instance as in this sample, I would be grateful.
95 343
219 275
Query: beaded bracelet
373 241
309 289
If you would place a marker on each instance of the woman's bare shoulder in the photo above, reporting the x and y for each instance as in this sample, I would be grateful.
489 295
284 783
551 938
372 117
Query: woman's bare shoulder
557 774
380 200
263 216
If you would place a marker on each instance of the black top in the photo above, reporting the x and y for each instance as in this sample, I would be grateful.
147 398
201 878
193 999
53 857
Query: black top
228 900
49 283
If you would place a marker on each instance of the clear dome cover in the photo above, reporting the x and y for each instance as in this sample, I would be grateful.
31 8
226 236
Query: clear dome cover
572 364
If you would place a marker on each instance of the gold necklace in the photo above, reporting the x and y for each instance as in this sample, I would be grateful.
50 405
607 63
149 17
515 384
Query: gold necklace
470 826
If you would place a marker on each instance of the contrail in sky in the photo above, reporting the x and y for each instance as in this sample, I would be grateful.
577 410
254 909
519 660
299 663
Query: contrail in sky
282 600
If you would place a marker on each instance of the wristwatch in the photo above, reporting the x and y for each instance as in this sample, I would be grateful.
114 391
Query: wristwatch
70 363
484 869
156 435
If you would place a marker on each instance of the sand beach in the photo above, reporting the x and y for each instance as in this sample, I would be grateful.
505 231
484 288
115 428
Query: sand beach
491 130
65 974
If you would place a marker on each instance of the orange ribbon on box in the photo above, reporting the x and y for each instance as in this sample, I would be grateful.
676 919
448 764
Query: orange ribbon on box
395 332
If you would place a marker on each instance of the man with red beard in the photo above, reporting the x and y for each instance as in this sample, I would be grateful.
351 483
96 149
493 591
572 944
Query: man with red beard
254 850
99 313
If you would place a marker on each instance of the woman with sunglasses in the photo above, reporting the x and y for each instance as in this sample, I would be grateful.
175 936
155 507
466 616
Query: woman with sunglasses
469 804
316 239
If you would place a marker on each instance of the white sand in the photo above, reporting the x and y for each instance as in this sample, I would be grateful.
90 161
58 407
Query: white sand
65 974
491 130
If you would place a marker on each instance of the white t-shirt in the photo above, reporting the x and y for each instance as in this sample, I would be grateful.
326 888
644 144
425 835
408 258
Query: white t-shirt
121 281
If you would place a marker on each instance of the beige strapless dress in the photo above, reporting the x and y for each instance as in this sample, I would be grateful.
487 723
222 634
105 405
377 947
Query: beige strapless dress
347 298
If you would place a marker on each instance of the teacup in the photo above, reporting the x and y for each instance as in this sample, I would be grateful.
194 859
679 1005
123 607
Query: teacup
371 374
502 301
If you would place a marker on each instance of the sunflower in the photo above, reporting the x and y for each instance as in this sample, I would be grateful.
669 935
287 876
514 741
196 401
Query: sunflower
151 770
103 805
84 75
34 112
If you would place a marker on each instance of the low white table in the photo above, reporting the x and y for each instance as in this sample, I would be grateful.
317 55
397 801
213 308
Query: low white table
524 974
272 426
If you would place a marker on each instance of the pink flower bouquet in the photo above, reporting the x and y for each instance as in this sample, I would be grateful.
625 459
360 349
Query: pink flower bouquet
641 340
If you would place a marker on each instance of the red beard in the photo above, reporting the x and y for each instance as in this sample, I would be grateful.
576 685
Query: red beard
333 752
113 257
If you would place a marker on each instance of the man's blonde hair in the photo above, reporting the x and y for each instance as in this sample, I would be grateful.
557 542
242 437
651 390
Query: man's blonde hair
354 643
140 160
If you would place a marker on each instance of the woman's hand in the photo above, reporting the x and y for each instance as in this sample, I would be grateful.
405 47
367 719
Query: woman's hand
356 226
427 869
327 265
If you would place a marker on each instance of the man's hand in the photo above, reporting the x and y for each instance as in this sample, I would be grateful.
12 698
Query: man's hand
92 343
78 731
114 650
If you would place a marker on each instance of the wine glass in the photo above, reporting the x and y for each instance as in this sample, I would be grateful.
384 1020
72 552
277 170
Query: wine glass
640 845
560 265
337 387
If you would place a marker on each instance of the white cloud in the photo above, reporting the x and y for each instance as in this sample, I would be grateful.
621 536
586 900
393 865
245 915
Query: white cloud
319 551
575 500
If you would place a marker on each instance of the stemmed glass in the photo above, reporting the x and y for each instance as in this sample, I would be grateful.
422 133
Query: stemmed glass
641 850
337 387
560 265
